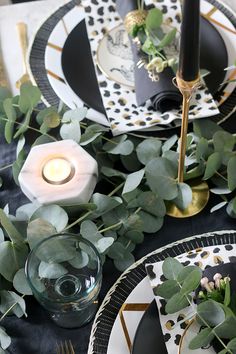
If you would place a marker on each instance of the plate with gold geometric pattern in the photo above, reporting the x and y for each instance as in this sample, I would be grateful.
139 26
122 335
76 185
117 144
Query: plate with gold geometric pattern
128 300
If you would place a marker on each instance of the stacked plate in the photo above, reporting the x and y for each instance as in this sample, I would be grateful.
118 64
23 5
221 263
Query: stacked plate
62 66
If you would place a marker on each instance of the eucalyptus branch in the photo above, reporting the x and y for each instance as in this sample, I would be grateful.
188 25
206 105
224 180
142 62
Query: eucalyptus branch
5 167
31 128
9 310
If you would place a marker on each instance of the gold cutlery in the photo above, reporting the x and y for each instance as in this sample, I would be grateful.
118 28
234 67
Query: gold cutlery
3 76
23 40
66 348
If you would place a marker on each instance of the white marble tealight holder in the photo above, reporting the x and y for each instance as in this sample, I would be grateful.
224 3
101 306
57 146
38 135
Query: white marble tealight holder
60 173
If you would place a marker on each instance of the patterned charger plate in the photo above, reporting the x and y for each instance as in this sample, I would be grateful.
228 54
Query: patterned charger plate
45 56
122 309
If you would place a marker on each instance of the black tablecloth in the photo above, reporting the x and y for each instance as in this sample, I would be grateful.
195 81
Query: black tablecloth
36 333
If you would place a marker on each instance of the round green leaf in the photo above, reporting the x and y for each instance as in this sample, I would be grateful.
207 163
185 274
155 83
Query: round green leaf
51 270
167 289
184 197
161 177
38 230
20 283
5 340
154 19
176 303
172 268
211 312
150 223
202 339
133 181
149 202
126 262
54 214
12 258
231 172
212 165
148 150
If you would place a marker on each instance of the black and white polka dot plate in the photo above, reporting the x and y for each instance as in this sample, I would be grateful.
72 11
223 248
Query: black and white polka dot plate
117 320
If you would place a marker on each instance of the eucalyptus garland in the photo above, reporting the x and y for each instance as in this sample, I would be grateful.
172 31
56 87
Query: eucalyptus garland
137 176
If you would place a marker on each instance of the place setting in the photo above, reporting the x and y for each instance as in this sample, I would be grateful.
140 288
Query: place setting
117 180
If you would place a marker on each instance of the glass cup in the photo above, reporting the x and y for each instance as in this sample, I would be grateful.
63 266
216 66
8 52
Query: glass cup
65 274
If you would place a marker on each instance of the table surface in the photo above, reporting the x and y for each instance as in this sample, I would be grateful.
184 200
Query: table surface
36 333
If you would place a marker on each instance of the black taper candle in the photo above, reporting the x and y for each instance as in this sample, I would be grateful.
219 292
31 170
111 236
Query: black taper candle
189 55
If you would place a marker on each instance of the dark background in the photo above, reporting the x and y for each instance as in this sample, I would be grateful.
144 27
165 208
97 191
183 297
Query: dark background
36 333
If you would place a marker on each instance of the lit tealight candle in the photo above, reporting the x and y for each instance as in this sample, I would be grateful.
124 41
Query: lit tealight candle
58 171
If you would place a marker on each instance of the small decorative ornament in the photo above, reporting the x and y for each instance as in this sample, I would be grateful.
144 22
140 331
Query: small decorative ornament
61 172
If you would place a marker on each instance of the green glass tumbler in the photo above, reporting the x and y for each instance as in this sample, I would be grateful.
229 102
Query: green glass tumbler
64 272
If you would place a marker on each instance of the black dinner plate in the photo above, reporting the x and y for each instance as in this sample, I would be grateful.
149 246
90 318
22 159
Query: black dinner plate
78 68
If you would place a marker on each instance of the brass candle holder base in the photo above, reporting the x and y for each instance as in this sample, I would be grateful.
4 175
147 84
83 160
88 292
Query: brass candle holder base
200 191
200 197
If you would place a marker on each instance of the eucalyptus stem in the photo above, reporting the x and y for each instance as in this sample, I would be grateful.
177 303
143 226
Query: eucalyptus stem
5 167
77 221
111 227
203 320
31 128
9 310
116 189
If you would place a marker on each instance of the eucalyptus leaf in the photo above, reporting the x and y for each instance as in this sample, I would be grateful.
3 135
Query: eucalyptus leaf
131 162
176 303
202 150
44 113
168 38
43 139
223 141
161 177
167 289
1 236
150 223
135 236
80 260
52 120
172 268
104 203
231 173
152 204
12 232
29 97
202 339
12 258
218 206
38 230
9 299
77 114
148 150
71 130
212 165
116 216
185 273
51 270
11 116
119 146
154 19
232 344
168 144
133 181
104 243
24 126
111 172
89 231
205 128
117 251
5 339
231 208
126 262
25 211
184 196
20 145
191 282
54 214
133 222
227 328
211 312
20 283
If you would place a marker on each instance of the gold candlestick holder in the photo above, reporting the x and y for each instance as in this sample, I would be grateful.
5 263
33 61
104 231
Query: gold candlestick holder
200 190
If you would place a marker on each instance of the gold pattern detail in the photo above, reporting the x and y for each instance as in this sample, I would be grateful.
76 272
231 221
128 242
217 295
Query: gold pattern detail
136 17
199 264
3 79
211 12
218 260
111 103
55 76
65 28
205 255
169 325
113 126
54 46
198 250
219 24
130 307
